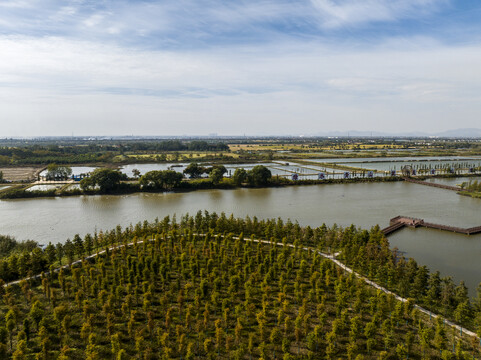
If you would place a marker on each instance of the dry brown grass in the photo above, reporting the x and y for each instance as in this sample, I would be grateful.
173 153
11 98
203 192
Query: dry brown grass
21 173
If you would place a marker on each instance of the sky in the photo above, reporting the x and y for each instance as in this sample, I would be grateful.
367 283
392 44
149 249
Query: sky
235 67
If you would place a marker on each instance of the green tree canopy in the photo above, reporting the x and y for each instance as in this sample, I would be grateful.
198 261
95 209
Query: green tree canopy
194 170
221 168
136 173
163 179
106 179
240 176
259 175
216 175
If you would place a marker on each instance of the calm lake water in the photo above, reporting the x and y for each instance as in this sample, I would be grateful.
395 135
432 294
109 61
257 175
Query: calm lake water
56 219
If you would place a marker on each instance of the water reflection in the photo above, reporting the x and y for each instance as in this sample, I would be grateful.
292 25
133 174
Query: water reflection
56 219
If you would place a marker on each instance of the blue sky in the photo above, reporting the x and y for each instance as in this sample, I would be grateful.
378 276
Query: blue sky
238 67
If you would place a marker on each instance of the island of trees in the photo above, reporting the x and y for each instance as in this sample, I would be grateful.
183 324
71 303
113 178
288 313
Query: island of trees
215 287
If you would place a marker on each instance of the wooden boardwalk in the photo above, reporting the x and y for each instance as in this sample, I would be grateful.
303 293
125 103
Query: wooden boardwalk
427 183
399 222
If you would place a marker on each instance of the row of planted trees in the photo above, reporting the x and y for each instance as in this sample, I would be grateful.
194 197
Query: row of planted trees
379 263
390 269
186 295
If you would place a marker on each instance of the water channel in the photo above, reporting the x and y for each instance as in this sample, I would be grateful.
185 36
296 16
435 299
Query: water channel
363 204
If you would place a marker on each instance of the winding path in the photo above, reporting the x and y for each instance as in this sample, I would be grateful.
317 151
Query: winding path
376 286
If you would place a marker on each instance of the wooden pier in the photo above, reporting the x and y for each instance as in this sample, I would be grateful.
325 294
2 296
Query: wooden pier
399 222
427 183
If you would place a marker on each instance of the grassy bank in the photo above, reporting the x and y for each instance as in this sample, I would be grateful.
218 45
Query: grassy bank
21 192
473 194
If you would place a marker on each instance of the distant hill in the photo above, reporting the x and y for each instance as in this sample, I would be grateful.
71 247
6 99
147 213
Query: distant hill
455 133
468 132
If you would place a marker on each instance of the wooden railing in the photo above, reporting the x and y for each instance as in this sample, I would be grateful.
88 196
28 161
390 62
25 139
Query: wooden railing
399 222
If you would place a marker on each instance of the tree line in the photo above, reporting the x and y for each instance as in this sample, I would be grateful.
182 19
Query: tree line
96 152
108 180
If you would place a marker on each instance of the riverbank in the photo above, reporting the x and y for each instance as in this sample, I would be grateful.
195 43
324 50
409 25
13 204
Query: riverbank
21 191
473 194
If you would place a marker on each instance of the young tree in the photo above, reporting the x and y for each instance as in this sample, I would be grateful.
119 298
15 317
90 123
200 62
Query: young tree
401 351
106 179
36 313
88 244
122 355
161 179
92 351
10 328
69 249
275 339
194 170
462 313
51 253
240 176
64 353
79 245
216 176
21 351
136 173
60 252
440 337
115 343
259 175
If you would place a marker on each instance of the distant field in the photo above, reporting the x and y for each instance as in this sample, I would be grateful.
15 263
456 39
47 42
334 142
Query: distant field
180 156
20 173
271 147
307 147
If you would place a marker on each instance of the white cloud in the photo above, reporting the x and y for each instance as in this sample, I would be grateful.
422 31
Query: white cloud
192 23
94 20
69 67
336 13
17 4
54 85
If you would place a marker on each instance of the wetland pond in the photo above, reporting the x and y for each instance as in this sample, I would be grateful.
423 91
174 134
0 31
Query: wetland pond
362 204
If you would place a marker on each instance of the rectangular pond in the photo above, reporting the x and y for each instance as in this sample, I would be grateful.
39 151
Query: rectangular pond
76 170
43 187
